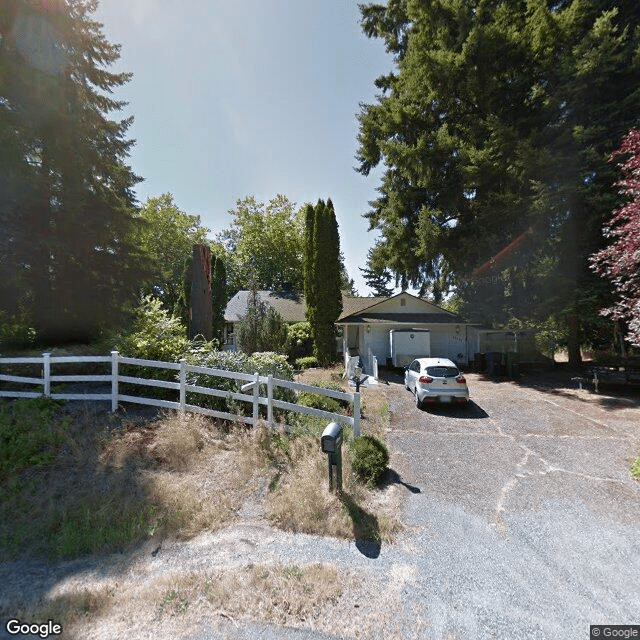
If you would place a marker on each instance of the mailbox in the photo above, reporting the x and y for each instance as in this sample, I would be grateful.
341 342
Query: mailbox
331 444
331 439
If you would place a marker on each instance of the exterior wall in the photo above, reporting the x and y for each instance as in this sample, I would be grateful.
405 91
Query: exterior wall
447 343
411 305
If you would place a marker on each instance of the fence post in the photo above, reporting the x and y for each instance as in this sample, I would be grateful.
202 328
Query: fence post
46 374
256 397
183 383
270 400
356 415
114 381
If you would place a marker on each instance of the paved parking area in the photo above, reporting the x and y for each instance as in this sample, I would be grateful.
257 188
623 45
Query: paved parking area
526 521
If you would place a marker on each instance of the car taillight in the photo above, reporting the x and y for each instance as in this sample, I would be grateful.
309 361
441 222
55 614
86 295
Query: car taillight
425 379
461 380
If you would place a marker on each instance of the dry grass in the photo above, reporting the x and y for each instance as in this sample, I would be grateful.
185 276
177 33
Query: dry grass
302 502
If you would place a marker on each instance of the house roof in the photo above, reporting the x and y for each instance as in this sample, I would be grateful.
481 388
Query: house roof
411 318
292 308
371 310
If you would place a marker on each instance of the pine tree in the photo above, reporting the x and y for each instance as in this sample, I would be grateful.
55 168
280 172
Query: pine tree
495 130
67 195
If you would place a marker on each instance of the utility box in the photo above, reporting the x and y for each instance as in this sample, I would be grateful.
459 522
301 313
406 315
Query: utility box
408 344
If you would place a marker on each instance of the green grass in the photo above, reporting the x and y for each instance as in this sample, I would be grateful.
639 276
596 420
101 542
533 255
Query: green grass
31 433
635 468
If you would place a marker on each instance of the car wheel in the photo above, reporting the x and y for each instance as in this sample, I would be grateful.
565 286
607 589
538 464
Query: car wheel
418 403
406 386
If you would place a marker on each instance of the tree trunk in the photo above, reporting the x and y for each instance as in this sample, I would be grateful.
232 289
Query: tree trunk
201 313
573 342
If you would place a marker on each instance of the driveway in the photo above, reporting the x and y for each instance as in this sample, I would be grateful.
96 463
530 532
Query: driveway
527 522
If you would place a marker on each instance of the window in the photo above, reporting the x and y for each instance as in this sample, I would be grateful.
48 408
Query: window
443 372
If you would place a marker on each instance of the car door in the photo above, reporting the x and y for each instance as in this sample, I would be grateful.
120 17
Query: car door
414 374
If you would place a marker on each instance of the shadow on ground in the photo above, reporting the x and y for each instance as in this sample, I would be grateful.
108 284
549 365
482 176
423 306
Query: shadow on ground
393 477
366 530
470 411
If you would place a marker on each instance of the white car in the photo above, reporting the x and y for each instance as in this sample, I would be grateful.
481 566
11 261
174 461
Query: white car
436 380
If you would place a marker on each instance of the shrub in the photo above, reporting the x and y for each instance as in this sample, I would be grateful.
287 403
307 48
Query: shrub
369 458
318 401
154 334
265 363
299 340
306 362
16 331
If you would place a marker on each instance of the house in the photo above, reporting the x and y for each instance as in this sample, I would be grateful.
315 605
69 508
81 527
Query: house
289 305
366 324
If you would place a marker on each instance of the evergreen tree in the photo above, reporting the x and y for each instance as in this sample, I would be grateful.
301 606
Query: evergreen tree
66 194
261 328
310 288
218 294
496 129
323 280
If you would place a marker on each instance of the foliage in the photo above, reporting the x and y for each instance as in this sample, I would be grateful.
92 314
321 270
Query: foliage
299 340
30 434
261 328
495 129
620 261
265 364
218 295
66 191
154 335
322 270
167 234
306 362
318 401
264 245
378 282
16 330
369 458
635 468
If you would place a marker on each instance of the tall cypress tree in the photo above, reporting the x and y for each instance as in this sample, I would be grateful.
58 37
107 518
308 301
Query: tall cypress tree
323 279
66 208
309 263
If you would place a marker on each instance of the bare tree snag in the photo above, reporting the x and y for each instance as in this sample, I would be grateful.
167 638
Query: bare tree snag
201 319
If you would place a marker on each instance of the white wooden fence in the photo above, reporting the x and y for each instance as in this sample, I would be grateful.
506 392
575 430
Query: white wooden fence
254 383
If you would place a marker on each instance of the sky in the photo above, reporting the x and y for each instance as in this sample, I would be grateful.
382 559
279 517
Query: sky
249 97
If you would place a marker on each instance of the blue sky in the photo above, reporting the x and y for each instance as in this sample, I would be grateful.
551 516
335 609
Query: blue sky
249 97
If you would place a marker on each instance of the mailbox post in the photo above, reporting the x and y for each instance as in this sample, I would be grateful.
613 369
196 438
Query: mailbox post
331 443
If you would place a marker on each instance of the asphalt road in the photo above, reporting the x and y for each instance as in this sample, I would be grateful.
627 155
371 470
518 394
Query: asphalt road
527 522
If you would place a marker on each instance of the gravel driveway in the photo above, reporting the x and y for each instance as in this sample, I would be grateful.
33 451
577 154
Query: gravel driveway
522 523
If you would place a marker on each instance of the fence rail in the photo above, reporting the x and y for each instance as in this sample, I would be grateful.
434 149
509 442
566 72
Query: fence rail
248 392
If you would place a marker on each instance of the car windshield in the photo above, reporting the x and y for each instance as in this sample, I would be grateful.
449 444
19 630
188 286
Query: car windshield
442 372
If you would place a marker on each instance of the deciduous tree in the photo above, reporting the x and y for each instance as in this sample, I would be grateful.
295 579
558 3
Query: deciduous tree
620 261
